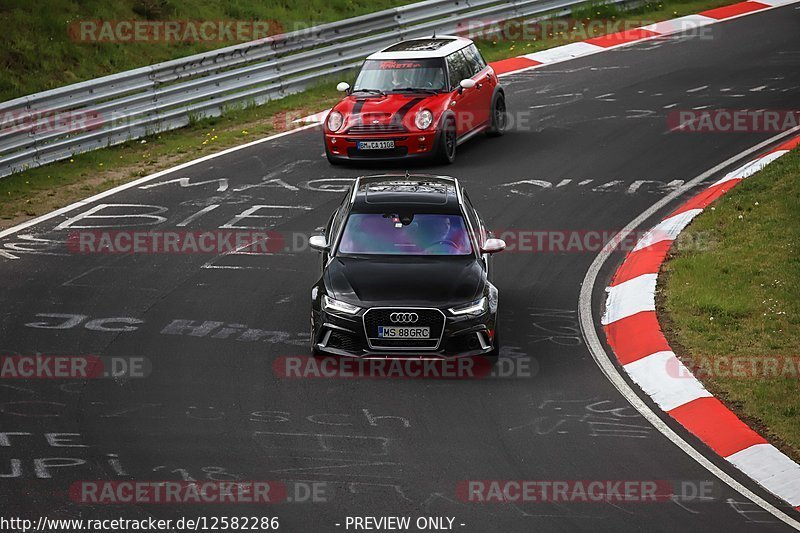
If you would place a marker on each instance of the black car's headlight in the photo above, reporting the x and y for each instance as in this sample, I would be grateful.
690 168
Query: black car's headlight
337 306
478 307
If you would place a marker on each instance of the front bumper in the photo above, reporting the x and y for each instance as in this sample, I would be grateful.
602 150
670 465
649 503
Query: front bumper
465 336
408 145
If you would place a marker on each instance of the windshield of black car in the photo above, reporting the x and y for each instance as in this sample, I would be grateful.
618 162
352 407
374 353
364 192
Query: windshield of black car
401 75
405 234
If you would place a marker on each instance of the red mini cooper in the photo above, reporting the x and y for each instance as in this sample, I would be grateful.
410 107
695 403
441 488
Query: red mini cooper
416 98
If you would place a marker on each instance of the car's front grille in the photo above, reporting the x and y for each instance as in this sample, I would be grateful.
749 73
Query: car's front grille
431 318
377 128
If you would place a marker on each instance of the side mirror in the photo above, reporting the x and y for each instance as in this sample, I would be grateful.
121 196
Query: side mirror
492 246
342 86
466 83
318 243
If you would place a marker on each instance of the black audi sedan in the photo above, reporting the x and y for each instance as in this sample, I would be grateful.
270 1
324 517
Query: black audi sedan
405 272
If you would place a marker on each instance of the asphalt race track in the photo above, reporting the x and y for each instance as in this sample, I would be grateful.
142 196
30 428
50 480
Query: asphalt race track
593 132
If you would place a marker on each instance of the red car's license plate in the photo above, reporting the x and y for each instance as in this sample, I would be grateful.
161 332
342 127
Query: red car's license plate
375 145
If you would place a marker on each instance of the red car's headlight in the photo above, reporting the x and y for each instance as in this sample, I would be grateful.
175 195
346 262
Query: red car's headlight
424 119
335 120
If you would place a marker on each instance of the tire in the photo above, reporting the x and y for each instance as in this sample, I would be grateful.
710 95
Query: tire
498 116
446 152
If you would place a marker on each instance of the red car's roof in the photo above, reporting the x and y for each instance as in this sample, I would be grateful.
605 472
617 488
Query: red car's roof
426 47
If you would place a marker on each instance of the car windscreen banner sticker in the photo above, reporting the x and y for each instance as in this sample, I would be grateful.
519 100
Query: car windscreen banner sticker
385 65
392 64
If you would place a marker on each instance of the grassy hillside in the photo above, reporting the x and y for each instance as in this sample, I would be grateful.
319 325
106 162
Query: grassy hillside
37 53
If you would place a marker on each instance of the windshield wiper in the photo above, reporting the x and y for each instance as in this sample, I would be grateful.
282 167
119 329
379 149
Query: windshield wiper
371 91
415 90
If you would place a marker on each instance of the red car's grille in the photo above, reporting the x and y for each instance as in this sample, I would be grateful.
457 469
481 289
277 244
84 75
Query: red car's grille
377 128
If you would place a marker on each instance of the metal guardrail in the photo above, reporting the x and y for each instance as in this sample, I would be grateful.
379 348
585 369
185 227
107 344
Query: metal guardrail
136 103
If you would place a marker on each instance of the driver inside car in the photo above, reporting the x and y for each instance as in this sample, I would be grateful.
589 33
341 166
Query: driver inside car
436 235
399 79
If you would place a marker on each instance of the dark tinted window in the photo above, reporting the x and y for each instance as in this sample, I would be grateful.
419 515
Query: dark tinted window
338 217
458 68
421 234
474 59
474 220
399 74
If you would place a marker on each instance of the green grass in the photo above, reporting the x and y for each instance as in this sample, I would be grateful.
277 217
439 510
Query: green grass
39 190
740 296
36 52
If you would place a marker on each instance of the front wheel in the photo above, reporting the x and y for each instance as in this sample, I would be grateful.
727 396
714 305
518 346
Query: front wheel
447 143
499 117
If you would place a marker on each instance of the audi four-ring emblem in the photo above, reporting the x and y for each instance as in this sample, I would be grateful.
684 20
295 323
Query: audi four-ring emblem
403 318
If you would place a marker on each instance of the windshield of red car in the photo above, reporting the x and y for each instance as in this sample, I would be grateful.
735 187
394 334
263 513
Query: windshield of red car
392 234
401 74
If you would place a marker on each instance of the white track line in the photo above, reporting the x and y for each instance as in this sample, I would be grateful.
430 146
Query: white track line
601 357
630 297
679 387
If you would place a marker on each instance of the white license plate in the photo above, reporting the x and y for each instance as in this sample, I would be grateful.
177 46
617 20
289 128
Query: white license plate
375 145
394 332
